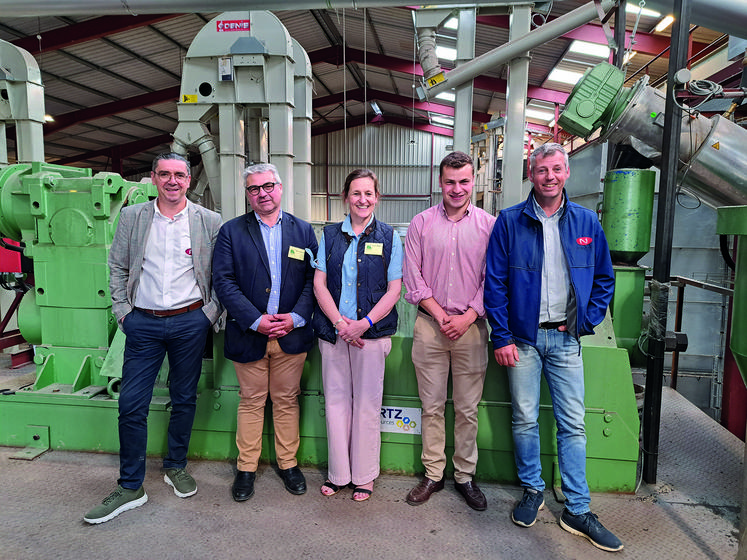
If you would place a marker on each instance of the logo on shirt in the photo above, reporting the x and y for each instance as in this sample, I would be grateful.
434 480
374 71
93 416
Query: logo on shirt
189 251
584 240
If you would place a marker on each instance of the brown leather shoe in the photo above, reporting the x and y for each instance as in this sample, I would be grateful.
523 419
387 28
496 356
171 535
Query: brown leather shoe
422 492
472 495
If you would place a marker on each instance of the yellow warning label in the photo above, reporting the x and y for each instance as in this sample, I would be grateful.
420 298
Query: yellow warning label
435 80
189 99
716 146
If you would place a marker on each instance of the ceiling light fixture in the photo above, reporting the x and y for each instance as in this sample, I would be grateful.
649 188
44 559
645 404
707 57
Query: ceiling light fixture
564 76
446 53
590 49
634 9
664 23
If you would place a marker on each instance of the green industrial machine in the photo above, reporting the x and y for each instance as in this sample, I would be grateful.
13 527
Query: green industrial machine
732 220
627 211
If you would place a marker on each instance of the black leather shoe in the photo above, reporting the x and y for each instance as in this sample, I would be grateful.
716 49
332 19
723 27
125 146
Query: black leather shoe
422 492
243 486
472 495
295 483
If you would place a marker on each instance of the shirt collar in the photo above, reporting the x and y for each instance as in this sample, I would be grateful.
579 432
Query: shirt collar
280 218
541 213
442 209
347 225
179 215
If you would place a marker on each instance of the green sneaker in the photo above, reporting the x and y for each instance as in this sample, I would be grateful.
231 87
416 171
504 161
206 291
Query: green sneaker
179 479
115 503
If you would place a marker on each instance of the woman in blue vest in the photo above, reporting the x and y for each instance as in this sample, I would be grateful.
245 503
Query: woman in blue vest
357 283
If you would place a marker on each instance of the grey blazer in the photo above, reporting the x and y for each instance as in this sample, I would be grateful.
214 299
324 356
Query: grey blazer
128 250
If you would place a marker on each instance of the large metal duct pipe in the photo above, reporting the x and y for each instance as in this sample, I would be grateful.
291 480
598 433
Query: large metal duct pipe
16 8
712 163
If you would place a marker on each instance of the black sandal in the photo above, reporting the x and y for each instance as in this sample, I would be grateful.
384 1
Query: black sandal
365 491
335 489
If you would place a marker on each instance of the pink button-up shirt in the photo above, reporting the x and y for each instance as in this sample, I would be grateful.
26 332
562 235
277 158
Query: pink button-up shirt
445 260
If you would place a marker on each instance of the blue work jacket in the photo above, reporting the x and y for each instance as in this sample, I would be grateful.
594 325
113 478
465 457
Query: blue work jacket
513 274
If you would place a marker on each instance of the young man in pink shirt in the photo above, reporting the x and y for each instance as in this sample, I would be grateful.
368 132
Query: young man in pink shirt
444 273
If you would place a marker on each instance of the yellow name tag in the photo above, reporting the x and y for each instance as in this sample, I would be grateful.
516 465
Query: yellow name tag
374 249
296 253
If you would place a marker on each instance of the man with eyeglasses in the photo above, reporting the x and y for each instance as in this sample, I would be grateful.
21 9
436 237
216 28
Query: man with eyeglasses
163 300
263 276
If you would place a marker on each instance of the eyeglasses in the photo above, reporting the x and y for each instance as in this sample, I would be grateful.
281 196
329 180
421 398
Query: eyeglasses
166 175
267 187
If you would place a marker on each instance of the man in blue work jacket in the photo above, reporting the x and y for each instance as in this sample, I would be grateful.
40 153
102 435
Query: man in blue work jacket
548 282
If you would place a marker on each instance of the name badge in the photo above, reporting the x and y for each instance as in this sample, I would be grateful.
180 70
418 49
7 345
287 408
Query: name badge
296 253
374 249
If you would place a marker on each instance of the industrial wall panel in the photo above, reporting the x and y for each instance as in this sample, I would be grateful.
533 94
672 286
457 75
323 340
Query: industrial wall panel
318 208
405 161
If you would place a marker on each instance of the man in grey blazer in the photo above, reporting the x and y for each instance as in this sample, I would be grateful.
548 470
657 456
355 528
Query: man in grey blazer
162 298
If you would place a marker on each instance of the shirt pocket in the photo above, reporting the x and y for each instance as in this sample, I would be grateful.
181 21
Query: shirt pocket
581 253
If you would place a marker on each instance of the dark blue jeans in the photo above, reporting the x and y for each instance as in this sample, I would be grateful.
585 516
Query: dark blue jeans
149 339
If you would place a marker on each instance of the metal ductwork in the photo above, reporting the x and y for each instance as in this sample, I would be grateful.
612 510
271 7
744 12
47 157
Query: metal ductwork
20 8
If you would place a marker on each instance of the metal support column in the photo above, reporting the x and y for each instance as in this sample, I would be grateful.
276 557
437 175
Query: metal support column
232 160
663 248
465 51
620 33
516 99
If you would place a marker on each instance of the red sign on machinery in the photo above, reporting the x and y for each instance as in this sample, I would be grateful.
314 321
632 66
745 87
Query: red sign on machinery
233 25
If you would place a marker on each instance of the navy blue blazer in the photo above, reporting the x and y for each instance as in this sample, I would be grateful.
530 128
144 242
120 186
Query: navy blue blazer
241 279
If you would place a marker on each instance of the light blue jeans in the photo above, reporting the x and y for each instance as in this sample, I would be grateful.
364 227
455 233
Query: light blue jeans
558 355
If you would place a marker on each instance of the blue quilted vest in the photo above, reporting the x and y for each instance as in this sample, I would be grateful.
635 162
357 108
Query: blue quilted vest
372 277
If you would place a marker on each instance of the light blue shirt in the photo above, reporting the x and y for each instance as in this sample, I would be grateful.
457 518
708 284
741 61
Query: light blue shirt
273 240
348 306
556 281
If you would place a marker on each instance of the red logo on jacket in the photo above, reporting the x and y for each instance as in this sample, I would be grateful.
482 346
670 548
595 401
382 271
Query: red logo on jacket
189 251
584 240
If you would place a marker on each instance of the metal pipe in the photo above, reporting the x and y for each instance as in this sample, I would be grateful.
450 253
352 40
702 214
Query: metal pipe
512 49
513 144
663 251
16 8
427 52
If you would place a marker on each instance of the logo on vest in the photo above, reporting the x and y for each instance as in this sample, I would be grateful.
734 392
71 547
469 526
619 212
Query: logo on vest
189 251
584 240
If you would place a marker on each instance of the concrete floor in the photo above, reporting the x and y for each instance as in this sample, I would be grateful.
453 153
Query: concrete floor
691 513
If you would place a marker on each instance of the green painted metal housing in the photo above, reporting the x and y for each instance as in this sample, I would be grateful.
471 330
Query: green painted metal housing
612 422
732 220
594 100
627 212
66 218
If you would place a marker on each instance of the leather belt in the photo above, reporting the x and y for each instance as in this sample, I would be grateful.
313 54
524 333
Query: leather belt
172 312
550 325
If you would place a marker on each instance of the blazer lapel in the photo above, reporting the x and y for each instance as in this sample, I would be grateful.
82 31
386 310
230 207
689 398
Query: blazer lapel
256 236
287 226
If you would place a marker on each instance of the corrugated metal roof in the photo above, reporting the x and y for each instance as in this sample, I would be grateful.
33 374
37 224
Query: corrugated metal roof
133 60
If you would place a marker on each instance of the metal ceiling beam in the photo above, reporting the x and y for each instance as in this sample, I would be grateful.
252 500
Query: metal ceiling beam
85 31
108 109
120 151
362 96
646 43
362 120
333 55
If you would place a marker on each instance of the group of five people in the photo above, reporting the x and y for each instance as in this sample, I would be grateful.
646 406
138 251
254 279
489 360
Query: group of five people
540 273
